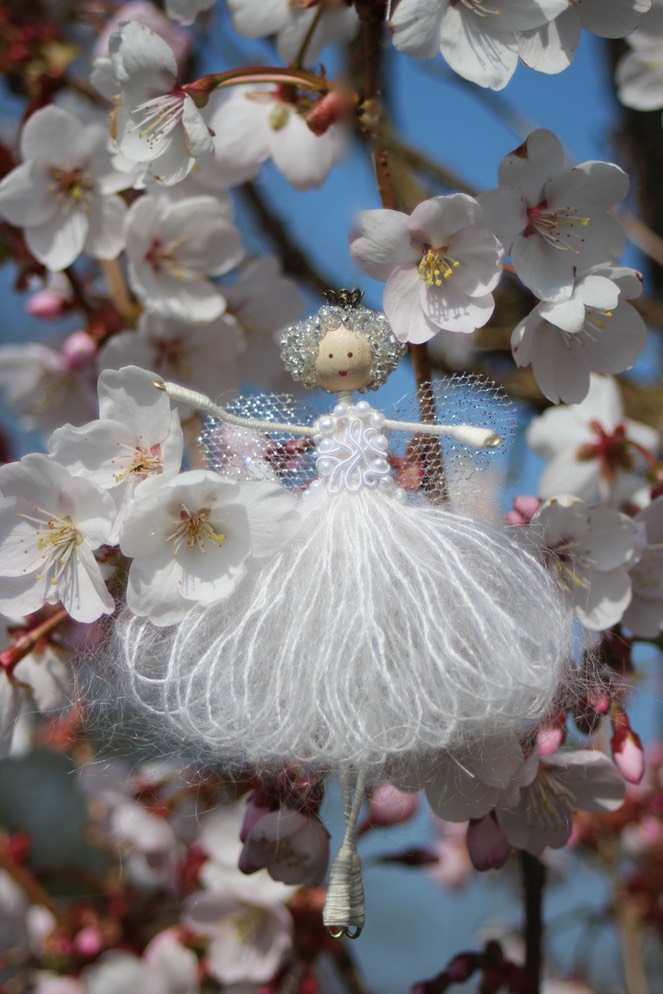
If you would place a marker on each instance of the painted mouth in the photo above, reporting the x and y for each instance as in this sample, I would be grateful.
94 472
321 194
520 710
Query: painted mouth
342 372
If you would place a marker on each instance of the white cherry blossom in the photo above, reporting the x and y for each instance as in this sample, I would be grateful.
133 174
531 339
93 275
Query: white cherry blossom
173 249
166 967
594 549
291 845
639 73
248 928
147 13
156 120
478 39
64 194
46 386
136 437
202 357
190 538
547 792
248 939
644 615
591 446
292 22
440 265
552 47
186 11
553 220
593 330
639 77
263 301
467 783
50 525
255 123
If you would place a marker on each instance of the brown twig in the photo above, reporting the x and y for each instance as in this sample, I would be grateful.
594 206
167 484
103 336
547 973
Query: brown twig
78 291
119 292
294 261
534 880
26 880
629 925
422 163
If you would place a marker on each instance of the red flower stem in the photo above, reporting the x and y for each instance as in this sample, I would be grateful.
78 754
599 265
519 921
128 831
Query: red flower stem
25 643
278 75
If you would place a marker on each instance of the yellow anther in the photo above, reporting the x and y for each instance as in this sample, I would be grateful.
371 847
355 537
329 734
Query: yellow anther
436 267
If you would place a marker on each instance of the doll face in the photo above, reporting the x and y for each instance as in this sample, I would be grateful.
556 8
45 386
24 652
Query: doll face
344 361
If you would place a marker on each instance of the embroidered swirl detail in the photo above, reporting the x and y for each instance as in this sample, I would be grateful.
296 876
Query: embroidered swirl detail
352 450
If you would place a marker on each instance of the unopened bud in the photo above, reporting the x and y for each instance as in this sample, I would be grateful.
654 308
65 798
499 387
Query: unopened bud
330 109
627 751
79 351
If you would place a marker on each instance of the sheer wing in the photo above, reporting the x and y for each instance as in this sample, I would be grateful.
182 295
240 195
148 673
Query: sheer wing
433 466
246 454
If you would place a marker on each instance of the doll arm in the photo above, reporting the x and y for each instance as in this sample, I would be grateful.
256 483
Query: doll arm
472 435
202 403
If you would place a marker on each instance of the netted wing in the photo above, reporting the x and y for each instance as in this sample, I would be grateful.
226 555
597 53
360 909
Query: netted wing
432 465
248 454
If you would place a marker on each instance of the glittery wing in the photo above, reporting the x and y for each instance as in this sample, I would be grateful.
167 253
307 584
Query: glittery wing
247 454
433 465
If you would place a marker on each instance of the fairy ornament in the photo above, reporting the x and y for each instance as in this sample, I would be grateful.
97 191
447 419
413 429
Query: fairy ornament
389 627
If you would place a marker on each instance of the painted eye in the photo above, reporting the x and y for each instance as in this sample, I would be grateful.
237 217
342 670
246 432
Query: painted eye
349 355
331 355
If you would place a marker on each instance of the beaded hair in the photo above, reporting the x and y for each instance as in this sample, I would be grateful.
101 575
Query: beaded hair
300 342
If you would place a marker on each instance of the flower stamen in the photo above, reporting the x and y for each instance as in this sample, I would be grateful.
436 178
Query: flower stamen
194 529
436 266
557 226
157 117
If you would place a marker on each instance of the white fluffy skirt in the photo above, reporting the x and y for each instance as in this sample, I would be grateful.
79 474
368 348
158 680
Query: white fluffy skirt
385 629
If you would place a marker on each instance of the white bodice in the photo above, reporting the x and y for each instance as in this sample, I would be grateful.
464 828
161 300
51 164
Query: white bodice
351 449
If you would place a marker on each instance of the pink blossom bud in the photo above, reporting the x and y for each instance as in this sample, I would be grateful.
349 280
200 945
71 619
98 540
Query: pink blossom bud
527 506
599 701
389 806
79 351
487 844
462 967
89 942
257 806
549 738
627 751
330 109
524 509
46 304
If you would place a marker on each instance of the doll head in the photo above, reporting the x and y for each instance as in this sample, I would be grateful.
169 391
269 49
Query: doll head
345 346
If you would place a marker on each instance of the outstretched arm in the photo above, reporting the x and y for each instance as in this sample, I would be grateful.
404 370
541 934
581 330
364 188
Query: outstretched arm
472 435
202 403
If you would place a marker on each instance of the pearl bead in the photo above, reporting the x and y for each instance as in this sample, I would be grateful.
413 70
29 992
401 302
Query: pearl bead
386 483
380 442
380 466
377 419
325 467
326 445
363 406
326 424
341 410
